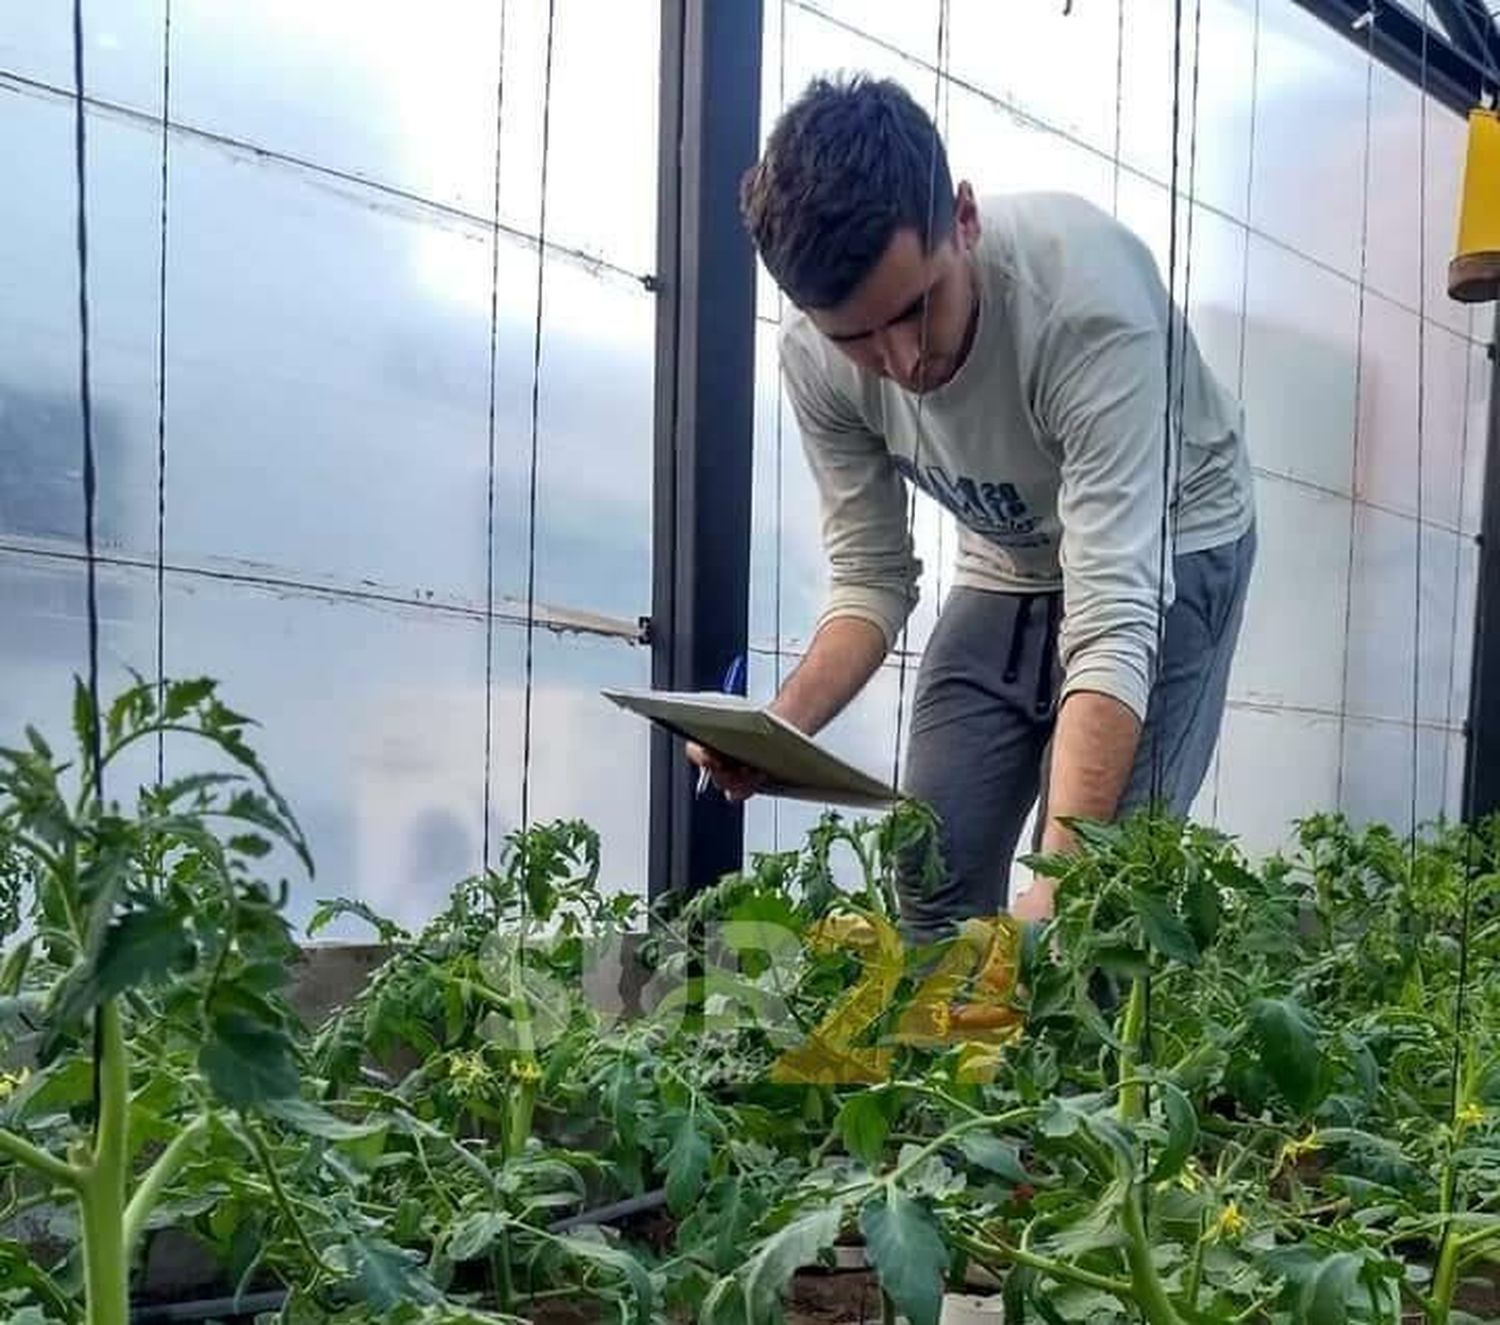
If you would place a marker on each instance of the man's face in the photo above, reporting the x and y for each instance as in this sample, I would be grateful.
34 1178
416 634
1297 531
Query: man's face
909 319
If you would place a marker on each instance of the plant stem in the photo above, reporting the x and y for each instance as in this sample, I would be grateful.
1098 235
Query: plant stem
1149 1293
1059 1270
1147 1289
49 1166
101 1195
1450 1249
149 1190
268 1167
996 1121
1132 1096
1195 1268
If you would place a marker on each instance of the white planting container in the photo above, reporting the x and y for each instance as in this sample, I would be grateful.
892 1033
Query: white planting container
971 1309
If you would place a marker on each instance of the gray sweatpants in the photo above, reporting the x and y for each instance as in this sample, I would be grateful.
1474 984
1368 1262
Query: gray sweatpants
986 704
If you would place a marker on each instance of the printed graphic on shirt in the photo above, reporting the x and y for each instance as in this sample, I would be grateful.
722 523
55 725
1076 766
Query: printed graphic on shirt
996 510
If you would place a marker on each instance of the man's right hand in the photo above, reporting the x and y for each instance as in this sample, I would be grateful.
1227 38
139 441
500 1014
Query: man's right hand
737 781
843 656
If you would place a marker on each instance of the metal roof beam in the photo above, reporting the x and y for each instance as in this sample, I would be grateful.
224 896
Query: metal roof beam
1404 43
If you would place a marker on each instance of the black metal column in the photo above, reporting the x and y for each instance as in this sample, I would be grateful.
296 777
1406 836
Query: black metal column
705 406
1482 759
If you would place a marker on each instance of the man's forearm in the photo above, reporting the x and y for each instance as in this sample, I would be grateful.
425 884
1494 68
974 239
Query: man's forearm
1093 750
844 655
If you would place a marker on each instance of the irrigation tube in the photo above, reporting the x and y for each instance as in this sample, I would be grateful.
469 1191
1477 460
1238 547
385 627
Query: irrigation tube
211 1308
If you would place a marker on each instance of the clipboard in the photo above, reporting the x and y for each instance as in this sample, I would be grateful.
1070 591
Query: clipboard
795 765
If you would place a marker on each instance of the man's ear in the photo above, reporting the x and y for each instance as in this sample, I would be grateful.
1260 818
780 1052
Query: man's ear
965 216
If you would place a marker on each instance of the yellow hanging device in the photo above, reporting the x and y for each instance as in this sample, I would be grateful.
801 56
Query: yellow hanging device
1474 274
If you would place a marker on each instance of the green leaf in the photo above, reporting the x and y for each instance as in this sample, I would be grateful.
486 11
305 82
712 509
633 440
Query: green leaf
989 1152
904 1243
84 718
1164 929
1098 1227
1182 1132
13 970
687 1162
385 1276
1287 1040
139 948
1325 1295
331 908
626 1266
782 1254
247 1062
314 1120
252 845
1203 908
472 1235
1059 1118
184 696
56 1089
863 1124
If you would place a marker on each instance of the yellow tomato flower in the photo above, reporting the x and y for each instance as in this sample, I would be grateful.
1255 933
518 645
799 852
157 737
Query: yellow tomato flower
1292 1151
1470 1115
1230 1223
10 1082
525 1069
467 1070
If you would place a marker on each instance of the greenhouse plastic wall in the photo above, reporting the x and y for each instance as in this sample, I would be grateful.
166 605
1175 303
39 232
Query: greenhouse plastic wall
329 278
1324 204
331 185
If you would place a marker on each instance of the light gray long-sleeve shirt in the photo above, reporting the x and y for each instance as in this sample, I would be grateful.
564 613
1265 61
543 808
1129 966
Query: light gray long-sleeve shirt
1048 445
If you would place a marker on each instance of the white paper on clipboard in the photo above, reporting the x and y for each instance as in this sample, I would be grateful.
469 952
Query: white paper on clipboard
795 765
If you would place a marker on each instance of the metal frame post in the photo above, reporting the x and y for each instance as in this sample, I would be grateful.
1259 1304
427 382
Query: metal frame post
1482 758
705 407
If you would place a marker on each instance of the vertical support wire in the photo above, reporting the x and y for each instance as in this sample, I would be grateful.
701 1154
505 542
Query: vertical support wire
90 475
1359 389
940 72
1176 360
1119 106
86 400
1244 300
942 515
489 508
780 430
1168 467
536 398
1458 562
1187 261
1461 993
1416 647
161 391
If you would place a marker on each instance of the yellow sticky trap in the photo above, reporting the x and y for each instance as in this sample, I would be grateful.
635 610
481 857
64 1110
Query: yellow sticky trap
1474 273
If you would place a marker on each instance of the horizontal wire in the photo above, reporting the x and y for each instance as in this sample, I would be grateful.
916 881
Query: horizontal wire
1343 494
560 620
1244 704
1029 117
592 262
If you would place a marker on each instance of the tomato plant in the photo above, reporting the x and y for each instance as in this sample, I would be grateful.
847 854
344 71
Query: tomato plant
1208 1091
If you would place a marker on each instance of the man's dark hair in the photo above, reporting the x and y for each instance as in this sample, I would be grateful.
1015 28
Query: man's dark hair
850 162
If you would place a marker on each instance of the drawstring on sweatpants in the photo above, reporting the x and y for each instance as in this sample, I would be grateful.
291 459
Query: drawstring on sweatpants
1022 619
1049 647
1017 641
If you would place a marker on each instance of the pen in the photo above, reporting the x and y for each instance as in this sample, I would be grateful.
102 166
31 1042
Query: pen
732 684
